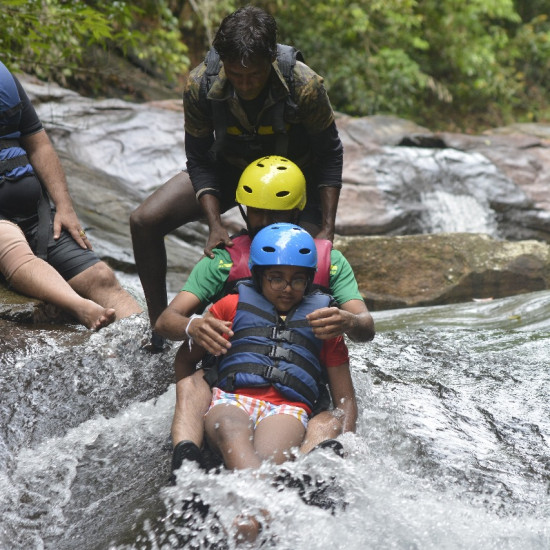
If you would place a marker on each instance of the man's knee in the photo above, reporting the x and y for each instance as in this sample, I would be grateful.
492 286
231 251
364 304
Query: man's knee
14 249
194 392
98 277
139 219
324 425
171 205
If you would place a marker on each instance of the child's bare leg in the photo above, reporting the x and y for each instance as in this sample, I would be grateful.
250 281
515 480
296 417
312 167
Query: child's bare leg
321 427
230 430
276 435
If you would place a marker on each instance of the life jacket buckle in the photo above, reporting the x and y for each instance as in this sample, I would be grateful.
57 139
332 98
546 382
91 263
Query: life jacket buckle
277 352
281 335
273 374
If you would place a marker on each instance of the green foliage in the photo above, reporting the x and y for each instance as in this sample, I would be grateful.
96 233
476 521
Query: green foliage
207 15
426 59
442 63
50 37
364 52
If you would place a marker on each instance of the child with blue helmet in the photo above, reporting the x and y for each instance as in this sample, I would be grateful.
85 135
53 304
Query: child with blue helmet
268 382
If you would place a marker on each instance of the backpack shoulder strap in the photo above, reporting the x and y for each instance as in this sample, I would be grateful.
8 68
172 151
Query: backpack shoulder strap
213 65
286 59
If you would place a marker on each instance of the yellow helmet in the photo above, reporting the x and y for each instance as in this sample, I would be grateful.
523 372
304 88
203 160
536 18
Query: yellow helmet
272 183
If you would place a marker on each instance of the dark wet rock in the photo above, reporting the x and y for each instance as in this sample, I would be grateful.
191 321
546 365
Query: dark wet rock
411 270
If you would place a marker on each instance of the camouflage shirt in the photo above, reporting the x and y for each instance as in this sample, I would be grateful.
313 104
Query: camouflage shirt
314 143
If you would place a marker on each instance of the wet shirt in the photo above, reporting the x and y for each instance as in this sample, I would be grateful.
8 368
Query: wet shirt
19 198
314 144
208 278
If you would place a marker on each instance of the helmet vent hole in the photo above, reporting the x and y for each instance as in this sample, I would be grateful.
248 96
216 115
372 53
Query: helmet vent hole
247 189
282 168
260 165
282 194
268 249
305 251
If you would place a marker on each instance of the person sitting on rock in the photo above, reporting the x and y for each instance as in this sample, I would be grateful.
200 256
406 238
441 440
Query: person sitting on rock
267 383
271 189
44 252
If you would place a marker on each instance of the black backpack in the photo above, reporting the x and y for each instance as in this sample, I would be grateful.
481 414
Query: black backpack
286 59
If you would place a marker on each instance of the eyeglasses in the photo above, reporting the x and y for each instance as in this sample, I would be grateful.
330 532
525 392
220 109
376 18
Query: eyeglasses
278 283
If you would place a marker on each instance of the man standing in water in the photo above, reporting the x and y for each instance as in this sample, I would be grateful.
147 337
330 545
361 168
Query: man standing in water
250 98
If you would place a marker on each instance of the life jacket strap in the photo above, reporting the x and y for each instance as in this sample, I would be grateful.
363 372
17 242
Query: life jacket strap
277 353
272 374
277 334
256 311
7 165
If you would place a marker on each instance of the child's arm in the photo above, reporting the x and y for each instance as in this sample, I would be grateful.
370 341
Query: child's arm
175 323
343 396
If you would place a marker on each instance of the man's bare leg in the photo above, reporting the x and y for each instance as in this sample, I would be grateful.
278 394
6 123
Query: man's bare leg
40 280
193 396
99 283
169 207
36 278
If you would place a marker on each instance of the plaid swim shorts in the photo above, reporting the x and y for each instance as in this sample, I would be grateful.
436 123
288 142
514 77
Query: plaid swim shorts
256 408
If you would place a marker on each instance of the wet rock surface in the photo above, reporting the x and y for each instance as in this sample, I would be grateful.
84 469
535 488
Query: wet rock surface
421 270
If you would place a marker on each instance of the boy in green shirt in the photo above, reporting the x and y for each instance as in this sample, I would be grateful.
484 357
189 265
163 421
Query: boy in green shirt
273 190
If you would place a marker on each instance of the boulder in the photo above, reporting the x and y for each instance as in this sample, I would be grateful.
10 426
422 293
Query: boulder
17 308
423 270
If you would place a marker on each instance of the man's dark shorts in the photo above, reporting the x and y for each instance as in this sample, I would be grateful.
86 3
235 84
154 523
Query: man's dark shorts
64 254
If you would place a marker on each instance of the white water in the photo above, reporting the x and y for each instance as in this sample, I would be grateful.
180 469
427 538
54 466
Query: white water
451 450
449 213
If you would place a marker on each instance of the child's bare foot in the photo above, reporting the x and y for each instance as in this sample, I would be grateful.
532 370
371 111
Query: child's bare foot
248 527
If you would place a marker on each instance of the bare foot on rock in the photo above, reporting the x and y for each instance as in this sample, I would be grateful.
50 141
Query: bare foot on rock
94 316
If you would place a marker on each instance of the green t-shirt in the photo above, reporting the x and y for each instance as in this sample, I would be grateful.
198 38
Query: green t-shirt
208 278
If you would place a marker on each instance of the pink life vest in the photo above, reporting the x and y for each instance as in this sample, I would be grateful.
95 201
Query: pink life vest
240 252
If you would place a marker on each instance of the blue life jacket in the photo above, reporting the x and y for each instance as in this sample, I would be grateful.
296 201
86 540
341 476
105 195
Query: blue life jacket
14 163
240 253
265 350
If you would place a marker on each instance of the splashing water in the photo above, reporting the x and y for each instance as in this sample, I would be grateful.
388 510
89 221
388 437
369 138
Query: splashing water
451 449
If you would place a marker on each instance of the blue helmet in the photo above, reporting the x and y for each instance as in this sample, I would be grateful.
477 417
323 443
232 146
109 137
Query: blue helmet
283 244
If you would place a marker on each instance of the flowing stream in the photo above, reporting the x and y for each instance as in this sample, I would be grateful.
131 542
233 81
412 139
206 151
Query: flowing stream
451 449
